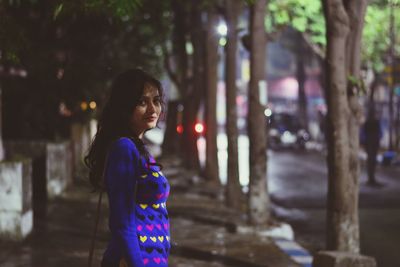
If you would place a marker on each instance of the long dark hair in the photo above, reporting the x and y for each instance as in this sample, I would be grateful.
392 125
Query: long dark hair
126 92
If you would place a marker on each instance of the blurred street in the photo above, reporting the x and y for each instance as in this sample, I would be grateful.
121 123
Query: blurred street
298 186
203 231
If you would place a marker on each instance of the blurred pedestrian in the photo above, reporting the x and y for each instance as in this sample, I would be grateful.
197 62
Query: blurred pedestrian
322 125
121 165
372 132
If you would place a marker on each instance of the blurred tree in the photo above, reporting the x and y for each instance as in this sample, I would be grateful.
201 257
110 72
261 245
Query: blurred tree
259 203
197 95
379 53
302 57
187 44
344 25
234 196
211 168
305 17
192 68
376 36
72 50
294 41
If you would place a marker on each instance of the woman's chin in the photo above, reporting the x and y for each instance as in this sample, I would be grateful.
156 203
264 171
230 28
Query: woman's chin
151 126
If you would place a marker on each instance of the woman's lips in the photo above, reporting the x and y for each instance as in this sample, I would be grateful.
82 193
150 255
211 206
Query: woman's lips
151 118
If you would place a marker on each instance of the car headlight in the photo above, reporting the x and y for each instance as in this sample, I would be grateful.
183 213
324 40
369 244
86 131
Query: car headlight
288 138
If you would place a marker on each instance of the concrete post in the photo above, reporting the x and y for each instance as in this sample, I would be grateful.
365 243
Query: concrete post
16 215
58 168
51 169
81 138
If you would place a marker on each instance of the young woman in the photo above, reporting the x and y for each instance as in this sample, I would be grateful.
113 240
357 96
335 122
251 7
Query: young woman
136 189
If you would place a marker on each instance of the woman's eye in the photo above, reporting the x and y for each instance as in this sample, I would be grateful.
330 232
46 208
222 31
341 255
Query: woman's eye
157 101
142 103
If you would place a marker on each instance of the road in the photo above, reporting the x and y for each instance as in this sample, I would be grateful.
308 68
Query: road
297 182
298 186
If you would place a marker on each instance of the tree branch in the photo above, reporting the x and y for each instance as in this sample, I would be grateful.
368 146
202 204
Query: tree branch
272 36
167 65
314 47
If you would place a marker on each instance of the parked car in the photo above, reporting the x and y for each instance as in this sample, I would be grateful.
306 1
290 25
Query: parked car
285 131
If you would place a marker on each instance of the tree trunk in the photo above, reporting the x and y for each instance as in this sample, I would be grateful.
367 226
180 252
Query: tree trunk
301 80
211 170
356 10
197 94
191 155
233 189
344 24
1 126
397 124
391 83
259 203
371 132
170 143
182 77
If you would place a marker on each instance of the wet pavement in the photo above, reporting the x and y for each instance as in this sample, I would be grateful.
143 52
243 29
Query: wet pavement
203 231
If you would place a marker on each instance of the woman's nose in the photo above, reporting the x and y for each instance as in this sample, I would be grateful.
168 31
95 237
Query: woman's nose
151 108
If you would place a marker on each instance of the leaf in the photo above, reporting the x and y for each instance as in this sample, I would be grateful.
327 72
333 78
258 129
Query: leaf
12 57
300 23
376 37
57 10
250 2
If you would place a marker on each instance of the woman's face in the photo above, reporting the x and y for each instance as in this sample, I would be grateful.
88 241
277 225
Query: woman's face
145 115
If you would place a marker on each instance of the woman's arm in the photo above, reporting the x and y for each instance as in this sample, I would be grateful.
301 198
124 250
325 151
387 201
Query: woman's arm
121 173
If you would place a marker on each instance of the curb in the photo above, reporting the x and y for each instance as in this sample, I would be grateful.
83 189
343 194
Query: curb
296 252
283 237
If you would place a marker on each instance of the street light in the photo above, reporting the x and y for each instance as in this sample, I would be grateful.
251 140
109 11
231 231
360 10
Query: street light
222 29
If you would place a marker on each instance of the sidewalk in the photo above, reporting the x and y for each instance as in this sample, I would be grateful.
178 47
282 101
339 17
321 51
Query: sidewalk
203 232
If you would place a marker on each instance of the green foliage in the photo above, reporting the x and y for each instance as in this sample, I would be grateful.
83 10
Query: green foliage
11 57
358 84
57 10
376 35
304 16
120 8
249 2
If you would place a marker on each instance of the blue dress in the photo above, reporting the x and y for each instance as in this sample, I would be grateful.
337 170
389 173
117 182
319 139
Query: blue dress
137 194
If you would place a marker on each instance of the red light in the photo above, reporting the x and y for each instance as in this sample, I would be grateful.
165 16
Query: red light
179 129
199 128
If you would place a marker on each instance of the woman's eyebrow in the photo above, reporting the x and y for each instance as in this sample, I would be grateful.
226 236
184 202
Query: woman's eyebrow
149 97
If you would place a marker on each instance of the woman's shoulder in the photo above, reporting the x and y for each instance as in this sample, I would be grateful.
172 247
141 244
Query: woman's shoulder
123 144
